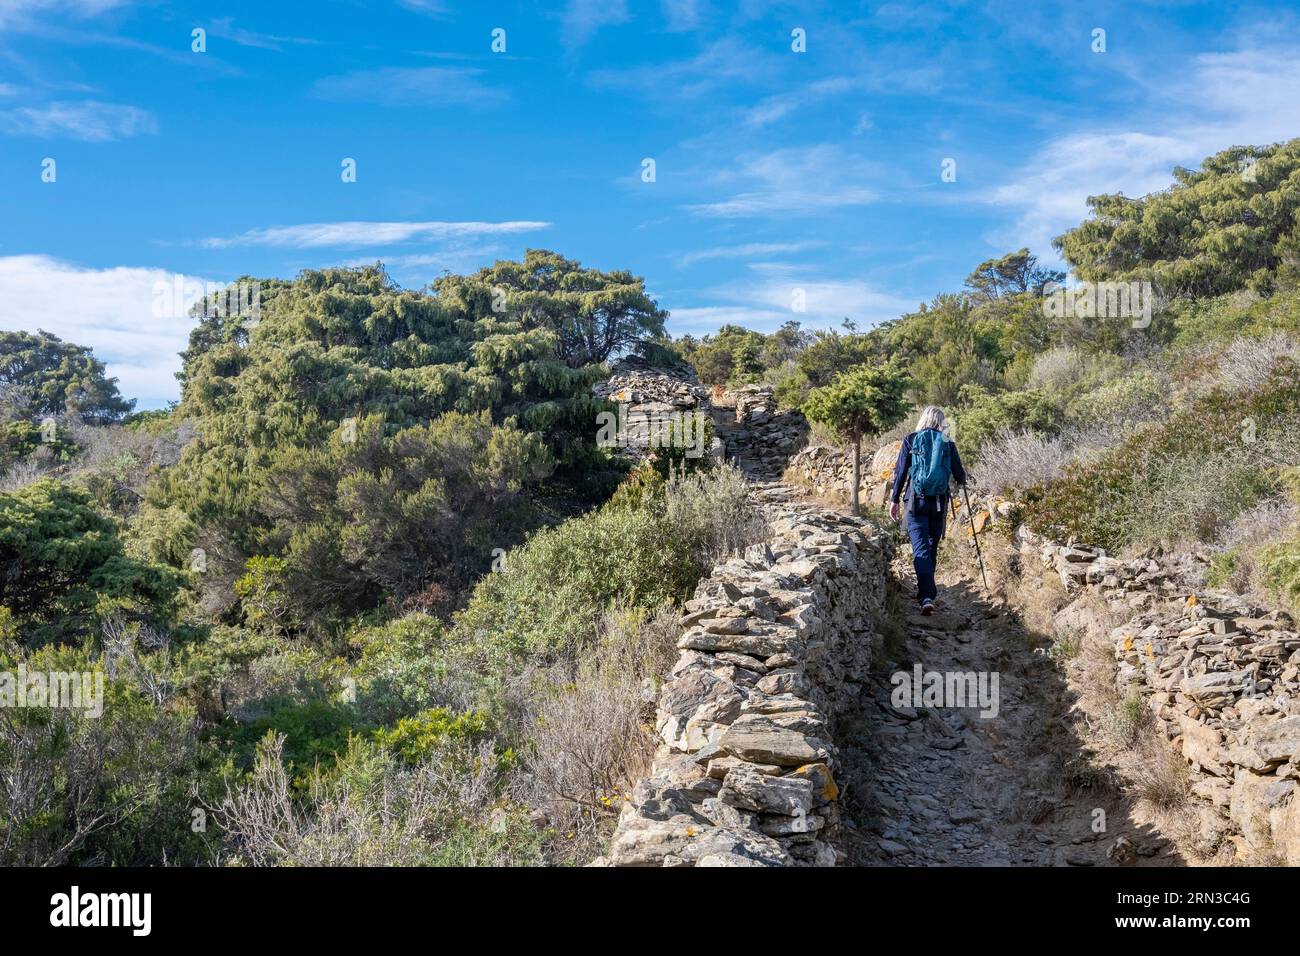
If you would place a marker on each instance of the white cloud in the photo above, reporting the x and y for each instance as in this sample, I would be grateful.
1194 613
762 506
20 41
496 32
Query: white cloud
225 29
800 179
430 86
88 120
722 62
320 234
431 8
682 14
1247 97
110 310
827 302
18 13
705 320
583 18
768 303
777 107
747 250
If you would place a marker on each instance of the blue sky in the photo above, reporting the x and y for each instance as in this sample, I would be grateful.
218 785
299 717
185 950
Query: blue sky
775 170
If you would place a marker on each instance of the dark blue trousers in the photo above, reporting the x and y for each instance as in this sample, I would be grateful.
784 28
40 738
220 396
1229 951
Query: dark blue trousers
926 531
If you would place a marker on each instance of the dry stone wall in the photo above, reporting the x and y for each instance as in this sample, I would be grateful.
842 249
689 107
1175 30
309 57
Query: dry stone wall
828 473
748 428
1220 676
775 644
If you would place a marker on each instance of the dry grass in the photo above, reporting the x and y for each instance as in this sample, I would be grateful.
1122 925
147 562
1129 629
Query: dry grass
590 724
378 813
1248 363
718 510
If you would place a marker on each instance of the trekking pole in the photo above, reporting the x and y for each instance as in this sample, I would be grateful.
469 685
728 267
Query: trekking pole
976 538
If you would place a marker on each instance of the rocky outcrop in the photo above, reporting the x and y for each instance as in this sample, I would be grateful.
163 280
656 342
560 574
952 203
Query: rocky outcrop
828 473
1220 676
775 644
747 427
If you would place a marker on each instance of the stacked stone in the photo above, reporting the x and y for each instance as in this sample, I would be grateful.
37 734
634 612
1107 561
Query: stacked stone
654 397
1220 676
828 473
1135 582
759 437
776 643
748 428
1223 681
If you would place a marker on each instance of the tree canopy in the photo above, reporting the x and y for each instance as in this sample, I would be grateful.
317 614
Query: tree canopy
63 564
1229 225
376 440
592 315
57 377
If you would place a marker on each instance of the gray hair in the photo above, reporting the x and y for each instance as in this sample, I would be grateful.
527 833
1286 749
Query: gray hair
932 417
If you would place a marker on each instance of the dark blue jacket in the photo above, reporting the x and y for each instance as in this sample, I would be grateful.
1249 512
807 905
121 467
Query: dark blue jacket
919 503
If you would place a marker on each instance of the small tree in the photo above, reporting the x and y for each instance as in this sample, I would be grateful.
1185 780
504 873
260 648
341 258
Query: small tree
864 400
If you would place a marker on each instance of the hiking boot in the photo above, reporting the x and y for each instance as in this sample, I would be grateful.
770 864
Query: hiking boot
927 607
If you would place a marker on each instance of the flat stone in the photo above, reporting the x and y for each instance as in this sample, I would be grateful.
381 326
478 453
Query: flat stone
760 740
751 789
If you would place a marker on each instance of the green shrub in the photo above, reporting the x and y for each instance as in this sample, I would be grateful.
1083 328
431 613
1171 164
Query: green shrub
1184 478
1133 398
1280 571
62 564
982 416
117 789
415 739
404 666
552 589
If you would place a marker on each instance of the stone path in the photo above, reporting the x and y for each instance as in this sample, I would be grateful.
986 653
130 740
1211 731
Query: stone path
949 787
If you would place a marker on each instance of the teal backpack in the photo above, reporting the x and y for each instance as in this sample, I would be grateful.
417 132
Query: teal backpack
930 471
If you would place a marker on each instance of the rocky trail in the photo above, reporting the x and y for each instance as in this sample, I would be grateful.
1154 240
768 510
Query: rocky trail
967 787
784 741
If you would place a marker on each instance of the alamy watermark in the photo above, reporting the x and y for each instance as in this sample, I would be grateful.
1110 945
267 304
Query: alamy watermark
65 690
952 689
675 429
1102 300
174 299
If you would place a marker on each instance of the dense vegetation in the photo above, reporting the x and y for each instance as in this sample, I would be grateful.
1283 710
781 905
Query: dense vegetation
370 593
335 583
1117 432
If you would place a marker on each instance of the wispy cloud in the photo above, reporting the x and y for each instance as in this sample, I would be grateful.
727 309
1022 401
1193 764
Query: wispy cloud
110 310
583 18
722 62
797 179
88 120
747 250
783 293
697 320
433 86
325 234
682 15
430 8
21 13
225 29
1247 97
781 105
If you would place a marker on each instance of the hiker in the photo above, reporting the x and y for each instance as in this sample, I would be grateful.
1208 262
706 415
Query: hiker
927 462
